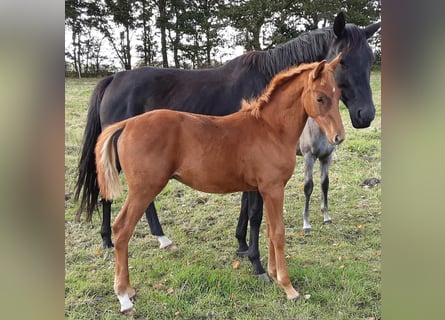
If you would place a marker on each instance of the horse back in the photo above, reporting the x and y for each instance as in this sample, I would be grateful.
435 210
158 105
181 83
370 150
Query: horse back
216 91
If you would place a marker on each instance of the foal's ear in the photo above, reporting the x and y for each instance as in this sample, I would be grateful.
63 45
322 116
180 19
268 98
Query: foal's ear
333 64
318 70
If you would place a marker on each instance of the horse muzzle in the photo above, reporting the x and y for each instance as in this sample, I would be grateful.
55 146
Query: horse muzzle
338 138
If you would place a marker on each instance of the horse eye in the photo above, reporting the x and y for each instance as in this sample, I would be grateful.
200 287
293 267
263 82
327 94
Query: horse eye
320 99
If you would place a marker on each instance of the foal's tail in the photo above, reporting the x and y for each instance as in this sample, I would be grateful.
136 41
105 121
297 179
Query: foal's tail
107 174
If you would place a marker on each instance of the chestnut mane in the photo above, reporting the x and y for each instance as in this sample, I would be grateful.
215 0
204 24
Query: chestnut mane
256 105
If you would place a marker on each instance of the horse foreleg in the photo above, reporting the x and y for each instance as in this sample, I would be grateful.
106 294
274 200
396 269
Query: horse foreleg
324 178
123 228
156 228
273 201
309 160
255 212
241 228
105 230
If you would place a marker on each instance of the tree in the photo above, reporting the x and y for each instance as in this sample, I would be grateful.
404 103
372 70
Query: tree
83 17
123 13
201 24
190 30
162 23
147 48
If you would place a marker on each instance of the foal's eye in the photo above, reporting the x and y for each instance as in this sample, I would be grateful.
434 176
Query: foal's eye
320 99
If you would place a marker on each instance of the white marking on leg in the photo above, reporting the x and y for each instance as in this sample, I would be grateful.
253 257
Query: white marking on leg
125 302
306 224
164 242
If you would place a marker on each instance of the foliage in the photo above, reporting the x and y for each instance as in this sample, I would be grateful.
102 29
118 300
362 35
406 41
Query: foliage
191 32
337 268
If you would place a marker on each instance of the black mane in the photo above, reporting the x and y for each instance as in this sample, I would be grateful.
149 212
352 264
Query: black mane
310 46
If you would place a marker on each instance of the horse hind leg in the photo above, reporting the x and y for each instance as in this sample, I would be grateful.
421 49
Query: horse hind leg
105 230
324 178
309 161
156 228
123 227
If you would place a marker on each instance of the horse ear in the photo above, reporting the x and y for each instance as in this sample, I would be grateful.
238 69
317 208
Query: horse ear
333 64
371 29
339 24
317 71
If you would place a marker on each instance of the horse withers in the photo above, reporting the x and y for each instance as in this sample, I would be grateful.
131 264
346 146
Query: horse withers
253 149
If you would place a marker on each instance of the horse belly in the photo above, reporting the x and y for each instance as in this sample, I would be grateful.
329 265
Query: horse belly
213 179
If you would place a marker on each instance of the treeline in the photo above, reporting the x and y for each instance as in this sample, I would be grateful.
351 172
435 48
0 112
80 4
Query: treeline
190 33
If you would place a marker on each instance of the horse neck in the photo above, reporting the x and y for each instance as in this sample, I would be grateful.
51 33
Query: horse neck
285 112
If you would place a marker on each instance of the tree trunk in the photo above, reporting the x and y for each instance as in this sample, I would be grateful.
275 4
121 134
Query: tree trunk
162 26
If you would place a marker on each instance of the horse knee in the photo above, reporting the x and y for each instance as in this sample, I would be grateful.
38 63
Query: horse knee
277 238
308 187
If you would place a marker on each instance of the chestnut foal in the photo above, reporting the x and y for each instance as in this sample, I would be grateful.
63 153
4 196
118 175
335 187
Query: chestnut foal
253 149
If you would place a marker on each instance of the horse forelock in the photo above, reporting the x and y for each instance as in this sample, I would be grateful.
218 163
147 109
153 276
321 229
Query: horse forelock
353 37
255 106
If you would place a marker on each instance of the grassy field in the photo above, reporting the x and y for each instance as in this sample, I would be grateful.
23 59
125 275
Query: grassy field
337 267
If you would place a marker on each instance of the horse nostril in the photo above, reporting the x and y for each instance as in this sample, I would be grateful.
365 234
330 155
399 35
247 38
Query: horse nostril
338 139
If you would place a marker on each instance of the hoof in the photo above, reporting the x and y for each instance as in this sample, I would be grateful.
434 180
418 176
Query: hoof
106 244
170 247
264 277
327 222
307 230
125 302
293 299
128 312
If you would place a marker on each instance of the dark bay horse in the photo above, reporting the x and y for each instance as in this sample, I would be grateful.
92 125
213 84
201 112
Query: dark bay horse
313 145
253 149
219 91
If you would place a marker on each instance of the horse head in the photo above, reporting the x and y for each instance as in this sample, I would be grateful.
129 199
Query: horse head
353 73
321 99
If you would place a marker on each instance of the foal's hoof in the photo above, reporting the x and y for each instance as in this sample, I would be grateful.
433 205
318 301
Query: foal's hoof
128 312
170 247
125 302
294 297
327 222
264 277
307 230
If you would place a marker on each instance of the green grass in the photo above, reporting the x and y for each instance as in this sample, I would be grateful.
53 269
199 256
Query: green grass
337 267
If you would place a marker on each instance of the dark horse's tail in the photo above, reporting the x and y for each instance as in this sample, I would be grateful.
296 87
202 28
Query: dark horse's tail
87 186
